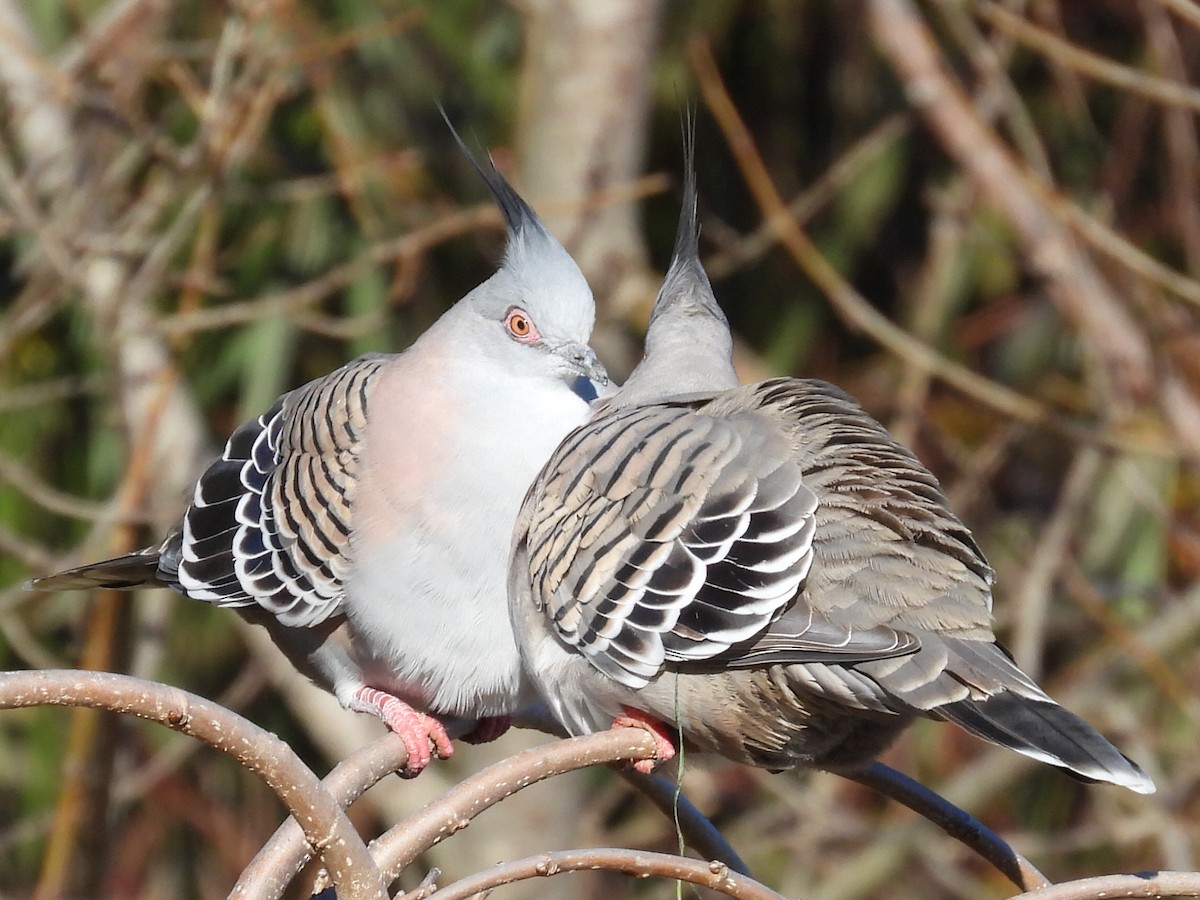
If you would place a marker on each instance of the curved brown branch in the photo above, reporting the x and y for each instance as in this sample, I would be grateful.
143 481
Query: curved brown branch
698 832
325 824
636 863
282 858
957 823
1148 884
284 855
1107 71
454 810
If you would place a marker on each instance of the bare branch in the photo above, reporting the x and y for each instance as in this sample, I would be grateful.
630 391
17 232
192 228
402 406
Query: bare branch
817 195
282 858
326 827
636 863
1150 884
455 809
1032 598
1162 90
284 855
1083 296
858 311
960 825
698 832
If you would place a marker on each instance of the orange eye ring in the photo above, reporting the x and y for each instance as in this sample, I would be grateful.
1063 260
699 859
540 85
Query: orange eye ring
520 326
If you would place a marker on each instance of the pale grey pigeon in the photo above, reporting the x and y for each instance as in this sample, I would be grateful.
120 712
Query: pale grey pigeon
761 571
381 497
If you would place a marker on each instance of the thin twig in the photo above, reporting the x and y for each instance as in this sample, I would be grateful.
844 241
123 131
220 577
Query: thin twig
1072 282
455 809
997 96
698 832
1032 600
808 202
1179 133
1171 93
1121 249
312 292
1185 9
858 311
49 498
1084 595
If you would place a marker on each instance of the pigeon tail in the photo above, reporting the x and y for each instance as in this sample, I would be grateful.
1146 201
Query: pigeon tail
1045 731
138 569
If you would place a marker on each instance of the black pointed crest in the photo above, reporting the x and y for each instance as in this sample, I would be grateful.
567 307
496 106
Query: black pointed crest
686 286
518 214
687 236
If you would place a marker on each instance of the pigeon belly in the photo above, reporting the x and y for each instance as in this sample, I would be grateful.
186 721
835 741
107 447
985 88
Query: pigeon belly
428 605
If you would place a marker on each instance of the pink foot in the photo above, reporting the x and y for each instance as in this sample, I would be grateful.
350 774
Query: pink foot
488 729
416 729
635 718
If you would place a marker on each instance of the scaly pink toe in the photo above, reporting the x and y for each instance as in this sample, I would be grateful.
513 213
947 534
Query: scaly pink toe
416 729
665 748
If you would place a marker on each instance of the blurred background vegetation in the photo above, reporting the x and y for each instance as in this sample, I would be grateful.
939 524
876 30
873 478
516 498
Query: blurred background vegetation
205 204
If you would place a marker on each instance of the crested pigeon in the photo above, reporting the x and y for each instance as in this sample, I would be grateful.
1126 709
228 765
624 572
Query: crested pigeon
761 571
364 518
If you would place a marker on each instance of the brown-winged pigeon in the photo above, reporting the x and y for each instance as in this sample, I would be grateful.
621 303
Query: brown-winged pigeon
762 571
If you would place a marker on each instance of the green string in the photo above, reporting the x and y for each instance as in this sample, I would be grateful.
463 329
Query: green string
682 845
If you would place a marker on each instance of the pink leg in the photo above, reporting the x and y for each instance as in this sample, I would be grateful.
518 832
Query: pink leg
635 718
488 729
416 729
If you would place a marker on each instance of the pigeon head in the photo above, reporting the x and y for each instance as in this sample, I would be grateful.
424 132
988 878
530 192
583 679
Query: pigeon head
538 298
689 348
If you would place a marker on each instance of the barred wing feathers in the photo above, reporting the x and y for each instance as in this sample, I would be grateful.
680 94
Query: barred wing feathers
270 520
673 536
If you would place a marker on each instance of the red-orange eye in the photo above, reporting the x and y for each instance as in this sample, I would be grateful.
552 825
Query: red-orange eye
520 326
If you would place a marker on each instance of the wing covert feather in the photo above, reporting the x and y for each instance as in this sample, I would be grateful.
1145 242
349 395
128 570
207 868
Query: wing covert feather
661 535
270 521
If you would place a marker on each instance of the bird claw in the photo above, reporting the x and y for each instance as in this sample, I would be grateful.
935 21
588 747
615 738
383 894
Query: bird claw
417 730
664 746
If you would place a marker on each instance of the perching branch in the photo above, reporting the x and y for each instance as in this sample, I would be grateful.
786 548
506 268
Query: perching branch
698 832
454 810
325 825
282 858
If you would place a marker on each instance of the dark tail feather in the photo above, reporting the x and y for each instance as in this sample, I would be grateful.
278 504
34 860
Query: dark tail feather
1048 733
125 572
